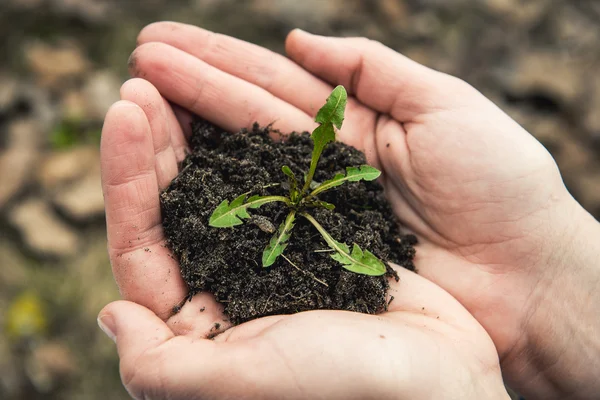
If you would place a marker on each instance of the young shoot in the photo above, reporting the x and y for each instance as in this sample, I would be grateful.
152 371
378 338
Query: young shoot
301 199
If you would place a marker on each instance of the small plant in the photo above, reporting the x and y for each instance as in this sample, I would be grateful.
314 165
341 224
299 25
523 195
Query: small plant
301 199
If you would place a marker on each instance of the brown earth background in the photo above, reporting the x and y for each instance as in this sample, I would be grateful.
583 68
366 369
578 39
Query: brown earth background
62 62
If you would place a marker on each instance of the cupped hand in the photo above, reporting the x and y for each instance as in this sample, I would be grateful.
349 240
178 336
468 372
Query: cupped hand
426 346
484 197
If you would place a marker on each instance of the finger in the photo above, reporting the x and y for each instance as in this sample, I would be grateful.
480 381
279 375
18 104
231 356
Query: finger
223 99
179 135
176 120
395 160
185 119
378 76
274 73
145 95
155 363
143 268
410 216
134 328
139 335
264 68
129 178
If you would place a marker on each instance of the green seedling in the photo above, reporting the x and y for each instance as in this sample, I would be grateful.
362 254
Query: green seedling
303 198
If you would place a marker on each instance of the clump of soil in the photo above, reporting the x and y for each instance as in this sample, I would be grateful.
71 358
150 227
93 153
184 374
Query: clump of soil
227 262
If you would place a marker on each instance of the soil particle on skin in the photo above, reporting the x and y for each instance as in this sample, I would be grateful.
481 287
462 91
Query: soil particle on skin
227 261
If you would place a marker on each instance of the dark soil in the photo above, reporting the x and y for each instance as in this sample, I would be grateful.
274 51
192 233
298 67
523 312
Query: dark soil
227 262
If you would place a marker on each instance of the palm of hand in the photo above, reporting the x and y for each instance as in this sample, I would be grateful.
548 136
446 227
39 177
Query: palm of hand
449 162
406 353
459 182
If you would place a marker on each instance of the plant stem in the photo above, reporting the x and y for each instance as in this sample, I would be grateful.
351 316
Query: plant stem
311 173
323 232
280 198
323 187
279 241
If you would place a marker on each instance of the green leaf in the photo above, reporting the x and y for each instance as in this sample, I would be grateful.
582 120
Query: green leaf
322 136
288 172
353 174
279 241
358 261
231 214
330 115
333 110
294 194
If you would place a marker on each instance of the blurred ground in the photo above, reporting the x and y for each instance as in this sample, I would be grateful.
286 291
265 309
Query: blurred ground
64 60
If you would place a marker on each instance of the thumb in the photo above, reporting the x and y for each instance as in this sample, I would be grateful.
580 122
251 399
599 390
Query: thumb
379 77
134 328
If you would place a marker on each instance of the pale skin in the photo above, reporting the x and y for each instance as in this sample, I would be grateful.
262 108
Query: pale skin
499 233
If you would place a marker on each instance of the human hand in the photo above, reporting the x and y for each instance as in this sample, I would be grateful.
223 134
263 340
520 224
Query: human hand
485 198
426 346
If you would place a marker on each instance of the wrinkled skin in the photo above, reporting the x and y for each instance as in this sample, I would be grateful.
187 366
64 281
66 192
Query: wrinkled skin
485 199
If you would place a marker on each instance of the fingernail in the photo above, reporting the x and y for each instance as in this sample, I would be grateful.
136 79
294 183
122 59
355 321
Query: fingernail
107 324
